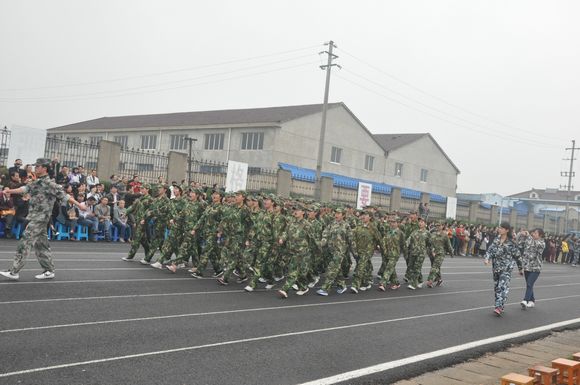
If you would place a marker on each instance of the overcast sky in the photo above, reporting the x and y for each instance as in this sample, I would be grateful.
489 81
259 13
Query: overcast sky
495 82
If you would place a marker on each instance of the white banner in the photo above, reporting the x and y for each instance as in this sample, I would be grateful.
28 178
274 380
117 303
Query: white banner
365 190
237 176
451 208
26 143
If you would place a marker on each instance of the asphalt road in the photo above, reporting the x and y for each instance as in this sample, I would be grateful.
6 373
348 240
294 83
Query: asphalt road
105 321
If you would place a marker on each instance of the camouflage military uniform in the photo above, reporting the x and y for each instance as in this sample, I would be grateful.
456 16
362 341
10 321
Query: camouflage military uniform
176 235
233 228
393 244
297 245
279 252
190 246
44 192
139 210
408 229
337 237
504 257
365 238
441 244
316 254
352 222
262 245
159 213
418 246
208 226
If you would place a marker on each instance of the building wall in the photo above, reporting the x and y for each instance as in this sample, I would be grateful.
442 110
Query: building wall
422 154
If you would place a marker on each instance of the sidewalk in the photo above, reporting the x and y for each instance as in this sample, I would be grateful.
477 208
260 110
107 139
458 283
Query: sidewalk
488 369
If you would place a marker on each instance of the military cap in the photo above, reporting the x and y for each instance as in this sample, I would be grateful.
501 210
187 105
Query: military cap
252 197
163 185
44 162
242 192
220 192
339 210
146 186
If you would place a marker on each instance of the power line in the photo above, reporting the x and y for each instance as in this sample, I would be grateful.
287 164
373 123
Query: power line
501 136
442 99
434 108
177 87
161 73
98 93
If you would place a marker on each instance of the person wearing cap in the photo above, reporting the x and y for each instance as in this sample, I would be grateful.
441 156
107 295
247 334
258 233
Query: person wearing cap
159 213
189 247
316 254
207 229
365 237
138 211
175 226
280 255
441 245
44 192
419 245
504 255
393 244
409 226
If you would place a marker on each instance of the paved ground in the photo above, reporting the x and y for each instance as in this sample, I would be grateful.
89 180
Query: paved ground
105 321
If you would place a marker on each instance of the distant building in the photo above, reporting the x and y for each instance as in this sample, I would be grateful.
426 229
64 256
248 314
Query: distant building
491 199
550 201
264 137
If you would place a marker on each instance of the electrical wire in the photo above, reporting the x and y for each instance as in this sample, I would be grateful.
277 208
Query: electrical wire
481 116
161 73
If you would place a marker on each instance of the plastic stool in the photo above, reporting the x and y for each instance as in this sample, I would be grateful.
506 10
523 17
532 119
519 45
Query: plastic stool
568 371
2 227
543 375
63 231
82 232
516 379
114 233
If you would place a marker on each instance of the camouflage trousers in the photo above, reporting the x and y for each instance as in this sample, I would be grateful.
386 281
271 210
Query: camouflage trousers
436 262
414 274
389 275
266 262
363 272
501 286
346 264
34 237
211 252
171 244
232 256
189 247
156 241
139 238
334 271
298 270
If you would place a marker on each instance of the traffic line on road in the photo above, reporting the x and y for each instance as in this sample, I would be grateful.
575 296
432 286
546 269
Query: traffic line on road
438 353
251 310
56 282
340 377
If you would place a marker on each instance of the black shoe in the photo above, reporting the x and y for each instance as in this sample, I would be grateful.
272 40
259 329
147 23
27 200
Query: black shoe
218 274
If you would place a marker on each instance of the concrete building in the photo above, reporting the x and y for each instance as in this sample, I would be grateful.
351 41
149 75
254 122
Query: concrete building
263 137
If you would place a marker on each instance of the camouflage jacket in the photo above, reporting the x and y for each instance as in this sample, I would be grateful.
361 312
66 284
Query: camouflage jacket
139 208
393 242
365 238
504 256
337 237
262 226
160 209
191 213
419 243
44 192
210 219
409 228
441 243
177 207
279 226
234 221
532 252
297 236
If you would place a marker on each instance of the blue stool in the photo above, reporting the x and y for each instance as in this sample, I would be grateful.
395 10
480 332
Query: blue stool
17 230
63 231
115 233
82 232
2 226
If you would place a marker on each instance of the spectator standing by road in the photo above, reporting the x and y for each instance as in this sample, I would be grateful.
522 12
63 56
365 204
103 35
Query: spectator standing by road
43 194
533 246
504 254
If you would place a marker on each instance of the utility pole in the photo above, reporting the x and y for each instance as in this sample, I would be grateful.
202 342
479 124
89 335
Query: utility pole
326 67
570 174
189 159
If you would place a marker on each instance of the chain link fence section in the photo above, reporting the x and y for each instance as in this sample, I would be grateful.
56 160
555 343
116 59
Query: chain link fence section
5 135
72 152
148 164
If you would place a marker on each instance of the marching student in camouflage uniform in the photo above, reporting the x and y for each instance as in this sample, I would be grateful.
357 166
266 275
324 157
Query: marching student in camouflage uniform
175 226
316 253
352 220
441 244
296 240
504 254
279 252
139 211
410 226
419 246
365 238
394 244
207 227
337 237
262 244
44 192
160 212
190 246
533 246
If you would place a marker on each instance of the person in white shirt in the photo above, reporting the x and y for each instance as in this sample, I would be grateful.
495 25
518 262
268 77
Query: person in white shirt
93 179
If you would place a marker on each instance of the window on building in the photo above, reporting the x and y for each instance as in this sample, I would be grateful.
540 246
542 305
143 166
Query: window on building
148 142
91 165
144 167
577 198
94 140
369 162
123 140
398 169
72 141
335 154
252 140
178 142
213 142
534 195
424 174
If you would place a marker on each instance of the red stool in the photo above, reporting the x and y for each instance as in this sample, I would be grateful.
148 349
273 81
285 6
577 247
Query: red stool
568 371
543 375
516 379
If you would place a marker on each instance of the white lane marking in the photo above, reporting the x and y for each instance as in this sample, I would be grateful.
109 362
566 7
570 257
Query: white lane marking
75 260
250 310
53 282
438 353
322 330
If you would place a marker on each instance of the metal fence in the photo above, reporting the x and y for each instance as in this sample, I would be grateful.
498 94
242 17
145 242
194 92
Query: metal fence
148 164
72 151
214 173
5 135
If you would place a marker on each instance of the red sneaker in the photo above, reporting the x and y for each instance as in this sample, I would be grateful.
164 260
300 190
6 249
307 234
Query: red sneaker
381 287
498 311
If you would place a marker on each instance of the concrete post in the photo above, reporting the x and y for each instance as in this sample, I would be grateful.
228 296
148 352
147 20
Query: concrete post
395 200
473 207
326 187
283 183
530 222
176 166
425 197
494 216
513 218
108 158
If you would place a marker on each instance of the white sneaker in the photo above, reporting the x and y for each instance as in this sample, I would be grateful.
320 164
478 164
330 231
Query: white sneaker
302 292
181 266
269 286
524 305
9 275
363 288
262 280
313 283
531 304
127 259
278 279
295 287
45 275
144 262
249 289
157 265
